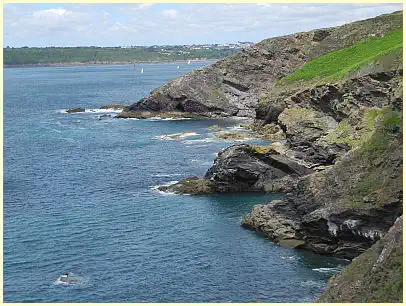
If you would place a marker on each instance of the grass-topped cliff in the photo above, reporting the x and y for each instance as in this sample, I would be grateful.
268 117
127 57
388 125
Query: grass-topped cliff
335 98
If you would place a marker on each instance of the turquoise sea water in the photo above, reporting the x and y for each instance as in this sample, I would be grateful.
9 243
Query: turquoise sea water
79 196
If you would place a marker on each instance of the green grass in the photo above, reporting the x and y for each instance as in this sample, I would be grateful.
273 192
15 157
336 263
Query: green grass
336 65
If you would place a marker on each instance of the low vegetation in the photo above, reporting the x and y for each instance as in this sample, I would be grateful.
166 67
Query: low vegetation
99 55
335 65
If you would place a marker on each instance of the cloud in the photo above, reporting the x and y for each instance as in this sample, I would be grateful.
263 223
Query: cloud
170 13
149 24
51 13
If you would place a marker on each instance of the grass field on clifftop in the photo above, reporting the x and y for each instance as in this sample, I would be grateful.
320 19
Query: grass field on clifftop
335 65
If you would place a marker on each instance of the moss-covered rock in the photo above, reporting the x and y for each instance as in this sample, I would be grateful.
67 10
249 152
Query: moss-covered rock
233 136
214 128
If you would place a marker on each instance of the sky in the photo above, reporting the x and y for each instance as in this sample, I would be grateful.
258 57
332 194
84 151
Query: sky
68 25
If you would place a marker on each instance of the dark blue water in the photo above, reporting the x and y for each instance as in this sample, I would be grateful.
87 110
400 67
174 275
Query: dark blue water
78 196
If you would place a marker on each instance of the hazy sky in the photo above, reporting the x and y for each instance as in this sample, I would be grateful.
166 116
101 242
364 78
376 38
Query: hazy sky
149 24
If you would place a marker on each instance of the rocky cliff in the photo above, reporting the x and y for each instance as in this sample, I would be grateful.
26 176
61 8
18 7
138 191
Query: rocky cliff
339 167
347 207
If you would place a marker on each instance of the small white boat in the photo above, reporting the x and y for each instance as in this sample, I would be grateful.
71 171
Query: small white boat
188 62
142 70
178 67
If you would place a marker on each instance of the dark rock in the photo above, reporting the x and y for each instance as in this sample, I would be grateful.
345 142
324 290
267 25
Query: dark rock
242 168
191 185
75 110
319 35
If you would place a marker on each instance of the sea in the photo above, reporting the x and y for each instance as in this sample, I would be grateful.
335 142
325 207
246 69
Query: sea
80 196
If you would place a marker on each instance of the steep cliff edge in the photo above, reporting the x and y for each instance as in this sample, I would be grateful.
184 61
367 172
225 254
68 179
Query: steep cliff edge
233 86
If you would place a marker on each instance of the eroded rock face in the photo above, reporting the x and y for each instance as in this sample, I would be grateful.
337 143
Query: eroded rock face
373 277
316 120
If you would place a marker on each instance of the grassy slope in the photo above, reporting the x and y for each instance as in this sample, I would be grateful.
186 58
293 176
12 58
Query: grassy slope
337 64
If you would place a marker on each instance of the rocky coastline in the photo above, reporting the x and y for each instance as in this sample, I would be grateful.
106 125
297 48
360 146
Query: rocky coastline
339 167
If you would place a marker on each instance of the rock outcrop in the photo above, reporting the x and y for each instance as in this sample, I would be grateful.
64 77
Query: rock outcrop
242 168
245 168
233 86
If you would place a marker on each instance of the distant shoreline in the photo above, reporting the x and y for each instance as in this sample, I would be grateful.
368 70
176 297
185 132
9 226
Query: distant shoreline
72 64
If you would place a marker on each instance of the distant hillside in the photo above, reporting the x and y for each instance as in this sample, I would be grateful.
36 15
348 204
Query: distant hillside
101 55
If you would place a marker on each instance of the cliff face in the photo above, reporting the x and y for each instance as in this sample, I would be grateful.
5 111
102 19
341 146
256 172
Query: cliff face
340 166
234 85
346 208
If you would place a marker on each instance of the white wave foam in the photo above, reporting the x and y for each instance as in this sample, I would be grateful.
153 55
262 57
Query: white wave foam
290 258
167 119
93 110
155 188
235 128
163 185
176 136
166 175
103 111
204 140
327 270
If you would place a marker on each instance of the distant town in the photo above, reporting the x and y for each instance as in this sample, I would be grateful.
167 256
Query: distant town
120 54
